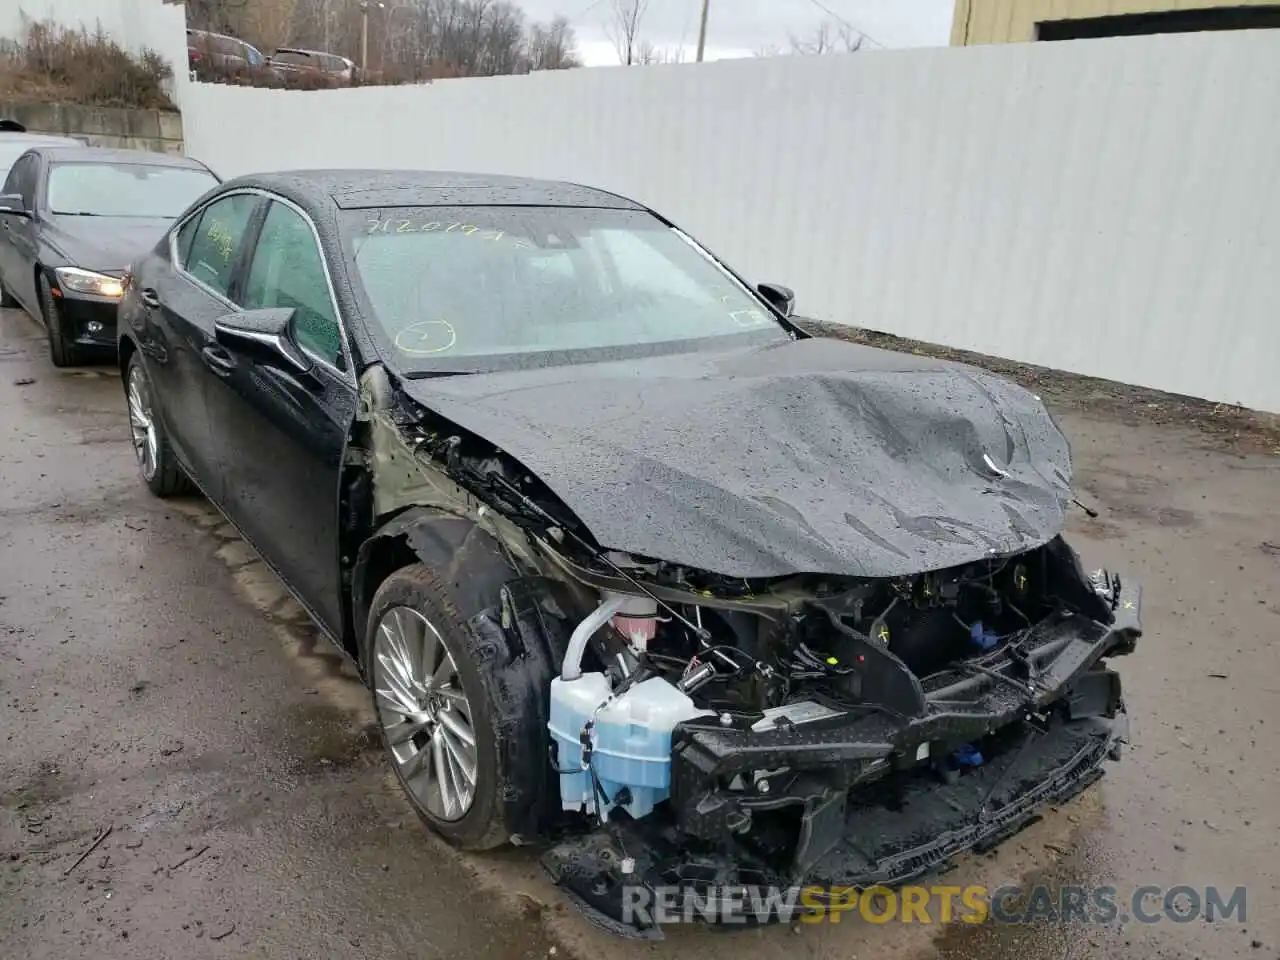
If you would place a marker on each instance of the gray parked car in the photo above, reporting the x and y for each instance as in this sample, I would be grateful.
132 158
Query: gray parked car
71 221
337 71
219 55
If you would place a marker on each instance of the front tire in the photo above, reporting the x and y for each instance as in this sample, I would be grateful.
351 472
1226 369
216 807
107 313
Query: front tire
62 352
435 708
5 299
160 469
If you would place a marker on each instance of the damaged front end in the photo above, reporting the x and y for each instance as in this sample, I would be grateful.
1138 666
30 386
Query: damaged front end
842 734
809 729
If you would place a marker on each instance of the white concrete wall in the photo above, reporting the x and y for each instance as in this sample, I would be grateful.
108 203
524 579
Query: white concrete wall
134 24
1106 207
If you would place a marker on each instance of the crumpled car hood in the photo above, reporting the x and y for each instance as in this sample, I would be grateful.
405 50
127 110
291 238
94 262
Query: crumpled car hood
812 456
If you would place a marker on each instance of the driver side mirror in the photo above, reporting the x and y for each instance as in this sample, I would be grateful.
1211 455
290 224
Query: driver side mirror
13 203
782 299
265 336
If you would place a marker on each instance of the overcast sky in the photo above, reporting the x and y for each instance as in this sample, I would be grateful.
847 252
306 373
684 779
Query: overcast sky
740 27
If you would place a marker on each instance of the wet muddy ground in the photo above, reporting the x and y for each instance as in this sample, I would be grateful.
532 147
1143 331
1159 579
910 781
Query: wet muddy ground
162 698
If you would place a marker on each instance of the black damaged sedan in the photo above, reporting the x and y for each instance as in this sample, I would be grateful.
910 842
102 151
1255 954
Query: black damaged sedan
633 567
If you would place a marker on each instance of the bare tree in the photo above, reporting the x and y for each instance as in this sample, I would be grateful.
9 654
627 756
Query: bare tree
269 22
647 53
216 15
553 46
327 25
624 31
415 39
829 37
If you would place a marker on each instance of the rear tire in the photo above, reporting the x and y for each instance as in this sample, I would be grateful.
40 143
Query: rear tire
5 299
160 469
61 351
416 589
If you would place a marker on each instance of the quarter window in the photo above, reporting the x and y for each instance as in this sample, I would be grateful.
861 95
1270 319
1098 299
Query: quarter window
288 271
216 244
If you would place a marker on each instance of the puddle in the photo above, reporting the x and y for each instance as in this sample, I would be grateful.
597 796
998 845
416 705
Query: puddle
321 738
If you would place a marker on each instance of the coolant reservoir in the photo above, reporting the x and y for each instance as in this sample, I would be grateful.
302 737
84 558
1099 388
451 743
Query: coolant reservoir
630 741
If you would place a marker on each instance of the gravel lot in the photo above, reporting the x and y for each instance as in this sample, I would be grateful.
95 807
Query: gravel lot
156 681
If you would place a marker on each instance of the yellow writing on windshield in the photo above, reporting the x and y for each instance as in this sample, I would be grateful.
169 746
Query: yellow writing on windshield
393 225
426 337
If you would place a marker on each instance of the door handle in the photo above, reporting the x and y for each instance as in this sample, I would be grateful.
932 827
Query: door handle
218 360
149 298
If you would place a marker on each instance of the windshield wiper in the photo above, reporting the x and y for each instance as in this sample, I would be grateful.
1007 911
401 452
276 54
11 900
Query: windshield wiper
75 213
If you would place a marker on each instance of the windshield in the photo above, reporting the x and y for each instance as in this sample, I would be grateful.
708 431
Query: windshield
125 189
467 289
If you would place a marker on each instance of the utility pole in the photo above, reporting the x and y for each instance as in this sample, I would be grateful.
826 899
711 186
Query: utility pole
364 31
364 37
702 30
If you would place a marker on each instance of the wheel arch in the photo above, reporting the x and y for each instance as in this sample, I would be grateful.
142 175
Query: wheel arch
126 348
38 270
467 558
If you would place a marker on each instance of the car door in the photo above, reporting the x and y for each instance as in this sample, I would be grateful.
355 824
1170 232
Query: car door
18 234
282 435
182 295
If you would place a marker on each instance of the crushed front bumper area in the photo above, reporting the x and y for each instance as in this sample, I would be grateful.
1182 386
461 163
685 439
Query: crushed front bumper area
866 799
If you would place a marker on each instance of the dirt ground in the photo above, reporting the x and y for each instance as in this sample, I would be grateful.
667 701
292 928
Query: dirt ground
166 710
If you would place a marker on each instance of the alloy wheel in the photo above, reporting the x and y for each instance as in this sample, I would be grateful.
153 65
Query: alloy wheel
142 425
425 713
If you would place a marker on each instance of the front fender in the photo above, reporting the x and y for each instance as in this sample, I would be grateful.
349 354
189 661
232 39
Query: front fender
465 556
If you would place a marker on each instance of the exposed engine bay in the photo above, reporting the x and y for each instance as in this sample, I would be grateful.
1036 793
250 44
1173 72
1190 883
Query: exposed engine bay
770 732
807 727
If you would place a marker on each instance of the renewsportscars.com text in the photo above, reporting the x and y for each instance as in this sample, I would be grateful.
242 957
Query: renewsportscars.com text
933 904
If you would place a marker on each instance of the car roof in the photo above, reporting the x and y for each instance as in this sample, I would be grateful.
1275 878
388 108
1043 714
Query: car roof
41 139
364 189
217 36
312 53
111 155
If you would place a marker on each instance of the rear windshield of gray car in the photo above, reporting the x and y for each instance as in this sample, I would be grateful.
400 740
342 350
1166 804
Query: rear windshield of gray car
485 288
